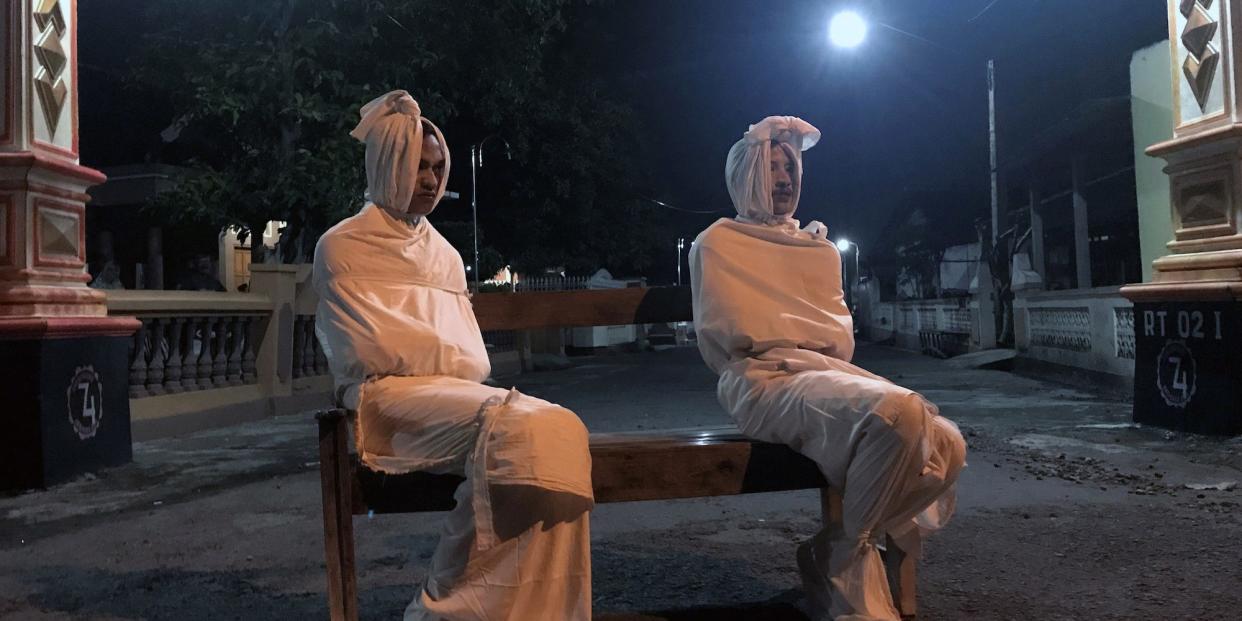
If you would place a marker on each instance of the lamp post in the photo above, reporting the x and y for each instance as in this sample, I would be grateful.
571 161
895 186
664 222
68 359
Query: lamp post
681 241
848 29
476 162
844 246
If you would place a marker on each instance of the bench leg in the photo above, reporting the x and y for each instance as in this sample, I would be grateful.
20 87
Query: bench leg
335 478
901 566
830 507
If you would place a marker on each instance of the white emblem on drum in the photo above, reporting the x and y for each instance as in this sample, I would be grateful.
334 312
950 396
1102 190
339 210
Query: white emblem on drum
1176 375
85 396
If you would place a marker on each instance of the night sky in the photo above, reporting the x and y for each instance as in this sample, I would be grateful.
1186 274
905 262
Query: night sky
903 115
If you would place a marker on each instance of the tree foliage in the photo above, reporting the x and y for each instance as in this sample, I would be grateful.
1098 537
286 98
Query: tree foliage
267 92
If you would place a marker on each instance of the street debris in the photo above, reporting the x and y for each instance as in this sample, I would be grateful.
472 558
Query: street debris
1223 486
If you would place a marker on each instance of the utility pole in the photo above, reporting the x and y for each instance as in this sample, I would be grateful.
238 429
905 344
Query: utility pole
992 151
989 306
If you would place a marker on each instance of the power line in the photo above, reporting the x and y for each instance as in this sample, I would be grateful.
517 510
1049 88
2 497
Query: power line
681 209
985 10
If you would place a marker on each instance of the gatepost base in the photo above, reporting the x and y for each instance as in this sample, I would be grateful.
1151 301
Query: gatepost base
66 398
1188 365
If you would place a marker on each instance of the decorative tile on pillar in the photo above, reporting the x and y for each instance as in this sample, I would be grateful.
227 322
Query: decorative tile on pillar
59 233
49 51
1200 74
1202 58
1198 33
52 97
1203 204
59 240
48 13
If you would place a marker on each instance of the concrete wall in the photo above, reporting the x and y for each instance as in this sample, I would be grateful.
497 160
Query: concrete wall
1151 109
1088 329
951 325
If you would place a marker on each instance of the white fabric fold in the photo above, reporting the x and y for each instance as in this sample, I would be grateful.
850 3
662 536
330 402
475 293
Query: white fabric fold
392 129
771 319
405 350
761 287
747 171
393 301
489 415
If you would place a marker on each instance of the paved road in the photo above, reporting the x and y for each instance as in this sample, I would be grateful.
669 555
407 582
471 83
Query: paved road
1066 512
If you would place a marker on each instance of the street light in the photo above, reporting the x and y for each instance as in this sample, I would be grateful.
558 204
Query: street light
476 162
847 29
681 241
987 286
844 246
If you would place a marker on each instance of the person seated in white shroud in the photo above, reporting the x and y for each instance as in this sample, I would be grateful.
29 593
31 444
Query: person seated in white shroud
772 323
406 353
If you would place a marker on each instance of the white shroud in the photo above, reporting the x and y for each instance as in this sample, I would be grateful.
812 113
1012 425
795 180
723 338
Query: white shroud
771 320
405 351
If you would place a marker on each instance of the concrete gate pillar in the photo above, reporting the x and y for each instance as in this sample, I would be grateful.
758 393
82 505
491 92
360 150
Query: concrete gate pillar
1188 319
64 359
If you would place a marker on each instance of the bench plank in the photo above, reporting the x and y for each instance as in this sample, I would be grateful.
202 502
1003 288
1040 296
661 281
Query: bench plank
585 308
630 466
692 464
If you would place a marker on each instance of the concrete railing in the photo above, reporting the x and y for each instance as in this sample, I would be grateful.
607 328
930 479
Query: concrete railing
1090 329
204 358
190 340
944 326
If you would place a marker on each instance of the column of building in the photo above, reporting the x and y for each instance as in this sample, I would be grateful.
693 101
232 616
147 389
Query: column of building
67 407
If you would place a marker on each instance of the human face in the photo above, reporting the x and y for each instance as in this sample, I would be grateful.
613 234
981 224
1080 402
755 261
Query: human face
430 172
784 180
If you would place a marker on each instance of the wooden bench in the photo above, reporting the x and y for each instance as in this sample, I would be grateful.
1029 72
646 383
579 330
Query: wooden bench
655 465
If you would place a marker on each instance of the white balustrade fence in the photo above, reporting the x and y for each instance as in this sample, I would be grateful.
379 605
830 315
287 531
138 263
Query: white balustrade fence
1090 329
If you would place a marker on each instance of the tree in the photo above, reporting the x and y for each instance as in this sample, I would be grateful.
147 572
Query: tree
268 91
262 98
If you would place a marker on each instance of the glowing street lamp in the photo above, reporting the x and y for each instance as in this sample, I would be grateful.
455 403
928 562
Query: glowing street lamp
847 29
844 246
476 162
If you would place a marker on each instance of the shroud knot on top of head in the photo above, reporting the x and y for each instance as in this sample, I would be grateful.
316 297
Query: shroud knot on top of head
747 173
392 128
392 102
790 130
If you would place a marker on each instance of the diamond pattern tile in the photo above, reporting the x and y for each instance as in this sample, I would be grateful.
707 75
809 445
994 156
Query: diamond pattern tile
50 51
48 13
58 233
1200 73
1198 32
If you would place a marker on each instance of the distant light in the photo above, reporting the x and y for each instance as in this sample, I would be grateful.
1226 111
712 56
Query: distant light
467 268
847 29
843 245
